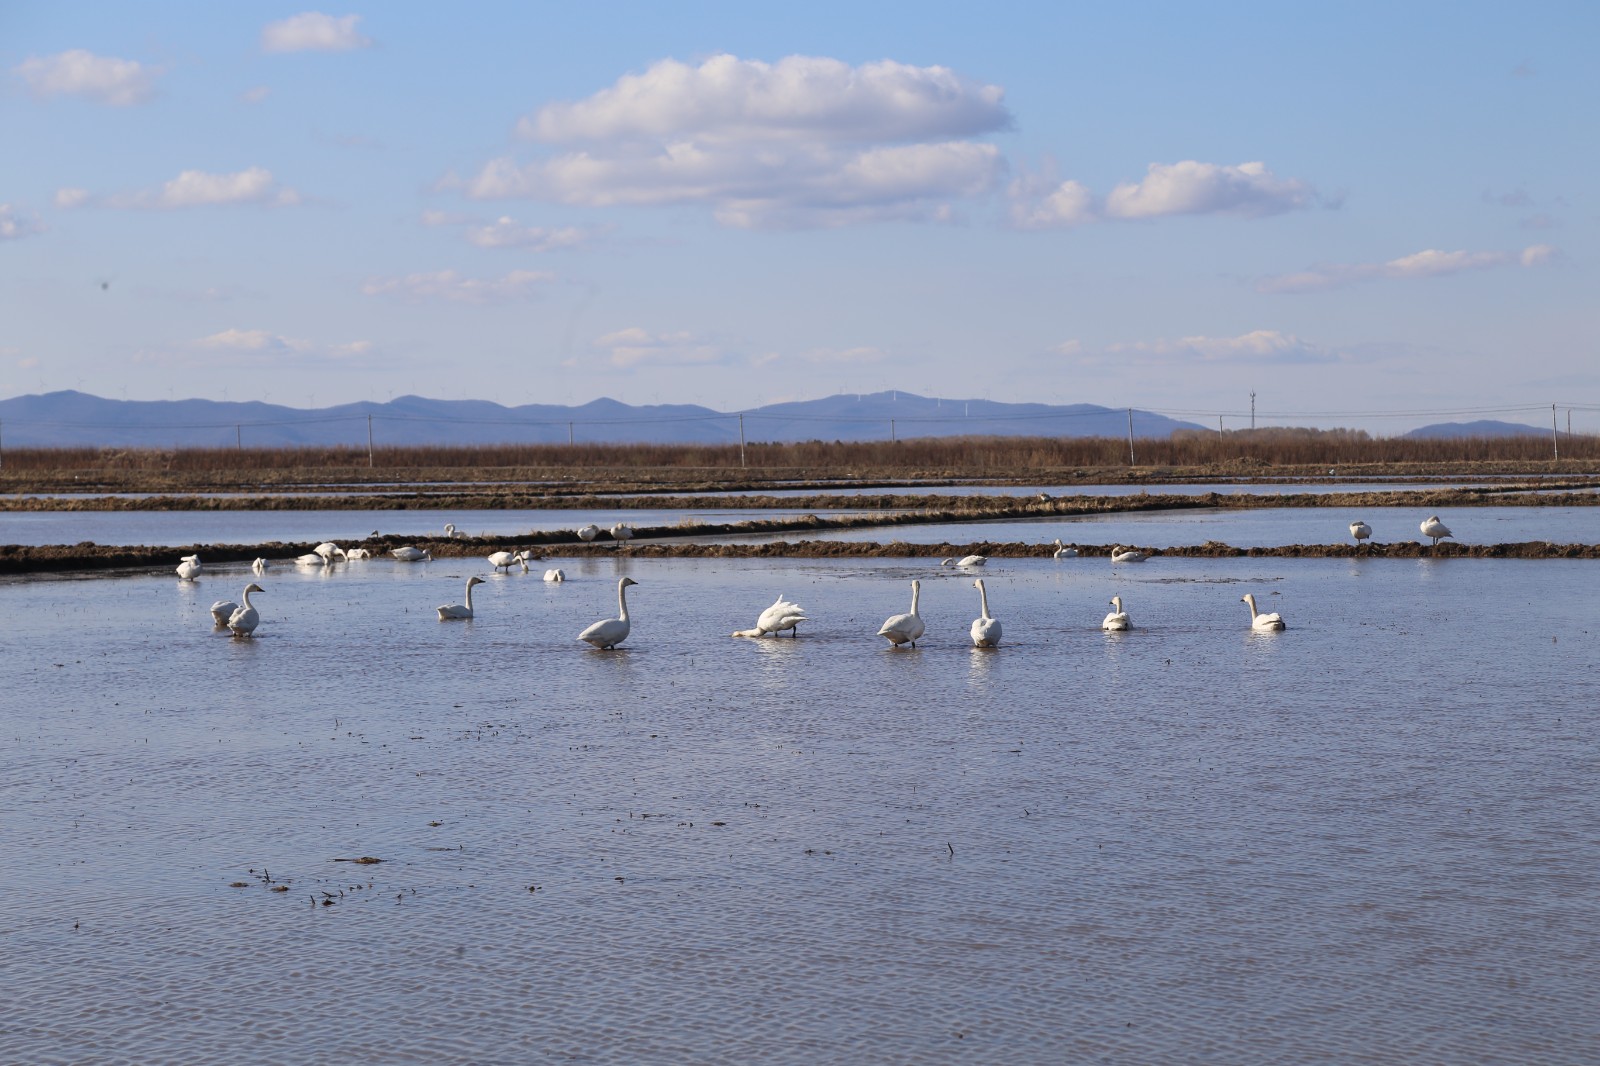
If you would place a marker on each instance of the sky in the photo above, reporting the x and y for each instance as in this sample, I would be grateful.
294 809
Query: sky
1367 214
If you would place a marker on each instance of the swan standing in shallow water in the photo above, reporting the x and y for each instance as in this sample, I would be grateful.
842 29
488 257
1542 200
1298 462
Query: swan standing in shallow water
357 553
621 531
460 610
327 549
1130 555
223 610
1064 552
259 566
1118 619
555 576
312 559
966 560
508 560
775 619
408 554
609 633
985 628
1273 621
1360 530
588 532
905 628
189 568
1435 529
243 622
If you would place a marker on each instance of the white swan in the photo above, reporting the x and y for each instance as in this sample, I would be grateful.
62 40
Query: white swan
408 554
985 629
259 566
508 560
1272 621
243 622
1360 530
589 532
460 610
1118 619
357 553
327 549
449 529
966 560
223 610
555 576
905 628
189 568
1064 552
311 559
1131 555
775 619
1435 529
622 531
612 631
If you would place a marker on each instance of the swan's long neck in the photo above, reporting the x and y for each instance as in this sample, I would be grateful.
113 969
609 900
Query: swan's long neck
1116 601
1251 600
983 598
247 597
469 594
916 590
622 601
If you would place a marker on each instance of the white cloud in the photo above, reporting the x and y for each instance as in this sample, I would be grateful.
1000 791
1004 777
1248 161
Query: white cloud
505 232
14 224
849 356
313 31
633 348
1429 263
448 285
118 82
262 348
806 141
1248 190
1264 346
193 188
252 340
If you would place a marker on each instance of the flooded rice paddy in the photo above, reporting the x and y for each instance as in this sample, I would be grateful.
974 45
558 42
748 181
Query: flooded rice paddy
1371 838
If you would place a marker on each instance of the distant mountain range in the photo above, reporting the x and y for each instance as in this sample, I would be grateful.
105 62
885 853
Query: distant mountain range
1487 427
63 419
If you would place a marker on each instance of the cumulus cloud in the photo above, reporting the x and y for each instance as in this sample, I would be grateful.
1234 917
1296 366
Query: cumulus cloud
1248 190
803 142
450 286
505 232
193 188
15 224
1429 263
118 82
632 348
313 31
260 347
1257 346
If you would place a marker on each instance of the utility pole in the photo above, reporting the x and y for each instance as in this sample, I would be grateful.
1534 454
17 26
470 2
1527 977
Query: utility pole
1130 437
238 437
1219 425
892 438
369 442
569 434
1252 408
741 442
1555 438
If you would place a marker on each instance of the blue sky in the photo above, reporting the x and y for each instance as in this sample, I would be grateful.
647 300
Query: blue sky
1369 214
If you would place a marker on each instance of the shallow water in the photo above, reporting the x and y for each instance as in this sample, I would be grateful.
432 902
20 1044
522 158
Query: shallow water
1345 842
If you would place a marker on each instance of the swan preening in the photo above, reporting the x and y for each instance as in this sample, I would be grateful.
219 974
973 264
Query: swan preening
775 619
966 560
905 628
622 531
1360 531
555 576
357 553
450 530
1064 552
312 559
508 560
223 610
1435 529
189 568
1120 554
609 633
1118 619
259 566
1271 621
985 629
589 532
243 621
460 610
408 554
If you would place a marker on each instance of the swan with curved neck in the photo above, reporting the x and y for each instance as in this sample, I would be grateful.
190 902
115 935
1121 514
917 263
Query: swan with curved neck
1118 619
460 610
1128 555
449 529
312 559
610 632
555 576
508 560
1435 529
189 568
243 622
221 611
775 619
327 549
966 560
1064 552
1265 622
259 566
905 628
985 628
408 554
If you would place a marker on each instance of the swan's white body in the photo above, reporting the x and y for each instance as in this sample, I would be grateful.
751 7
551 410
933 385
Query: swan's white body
775 619
612 631
223 610
1132 555
1117 619
508 560
357 553
259 566
1360 531
1064 552
243 622
905 628
449 529
622 531
189 568
311 559
589 532
1435 529
966 560
460 610
555 576
985 629
408 554
1271 621
328 549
